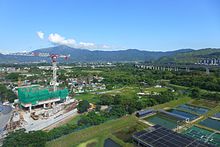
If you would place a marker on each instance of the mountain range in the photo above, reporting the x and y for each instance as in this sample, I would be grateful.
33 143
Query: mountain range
85 55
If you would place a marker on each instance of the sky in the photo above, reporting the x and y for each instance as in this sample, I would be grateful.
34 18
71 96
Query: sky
155 25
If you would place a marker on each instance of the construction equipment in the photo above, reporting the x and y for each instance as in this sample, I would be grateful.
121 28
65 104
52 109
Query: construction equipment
34 116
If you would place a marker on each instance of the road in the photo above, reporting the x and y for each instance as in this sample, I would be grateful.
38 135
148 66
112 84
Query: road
41 124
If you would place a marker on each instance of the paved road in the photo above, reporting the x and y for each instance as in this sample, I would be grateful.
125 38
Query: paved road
41 124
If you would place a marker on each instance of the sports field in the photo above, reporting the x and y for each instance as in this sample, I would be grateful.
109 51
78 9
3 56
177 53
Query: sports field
203 135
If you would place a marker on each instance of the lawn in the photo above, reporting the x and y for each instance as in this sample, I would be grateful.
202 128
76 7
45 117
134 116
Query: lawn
89 143
204 103
92 71
74 120
155 89
125 133
90 97
127 91
100 132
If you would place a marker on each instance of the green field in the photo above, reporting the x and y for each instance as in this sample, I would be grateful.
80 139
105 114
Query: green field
204 103
155 89
98 133
74 120
127 91
90 97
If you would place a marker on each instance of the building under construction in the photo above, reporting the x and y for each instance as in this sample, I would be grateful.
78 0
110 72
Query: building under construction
35 95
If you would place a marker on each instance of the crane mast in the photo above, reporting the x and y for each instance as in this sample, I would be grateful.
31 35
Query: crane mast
54 68
54 64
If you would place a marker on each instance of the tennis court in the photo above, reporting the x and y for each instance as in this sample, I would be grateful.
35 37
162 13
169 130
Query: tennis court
203 135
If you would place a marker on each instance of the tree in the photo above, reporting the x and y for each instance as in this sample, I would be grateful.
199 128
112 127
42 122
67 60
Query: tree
92 118
98 108
13 76
83 106
106 99
20 138
195 93
117 111
6 94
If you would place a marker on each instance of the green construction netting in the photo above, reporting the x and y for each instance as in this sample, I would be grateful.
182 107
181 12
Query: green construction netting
34 94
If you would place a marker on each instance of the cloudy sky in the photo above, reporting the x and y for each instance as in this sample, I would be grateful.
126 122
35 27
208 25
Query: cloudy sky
157 25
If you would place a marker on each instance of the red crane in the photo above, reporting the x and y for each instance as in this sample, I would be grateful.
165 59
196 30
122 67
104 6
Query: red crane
53 60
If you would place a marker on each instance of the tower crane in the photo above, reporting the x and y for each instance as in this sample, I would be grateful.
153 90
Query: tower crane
53 58
55 68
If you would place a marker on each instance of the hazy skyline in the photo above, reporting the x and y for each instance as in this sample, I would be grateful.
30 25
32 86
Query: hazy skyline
156 25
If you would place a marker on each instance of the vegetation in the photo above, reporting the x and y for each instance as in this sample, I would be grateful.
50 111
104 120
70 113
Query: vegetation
6 94
122 98
22 139
211 83
13 76
83 106
101 132
192 56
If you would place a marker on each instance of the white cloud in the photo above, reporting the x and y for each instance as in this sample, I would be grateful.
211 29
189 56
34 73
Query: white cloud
40 35
60 40
106 47
87 45
57 39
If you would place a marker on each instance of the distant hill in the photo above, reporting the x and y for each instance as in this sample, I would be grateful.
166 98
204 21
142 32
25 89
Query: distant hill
192 56
85 55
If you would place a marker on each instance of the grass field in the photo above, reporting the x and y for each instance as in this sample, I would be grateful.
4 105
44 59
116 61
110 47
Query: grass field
89 143
127 91
99 133
204 103
74 120
155 89
90 97
92 71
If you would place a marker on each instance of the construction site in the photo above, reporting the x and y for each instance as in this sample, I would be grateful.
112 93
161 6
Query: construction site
38 107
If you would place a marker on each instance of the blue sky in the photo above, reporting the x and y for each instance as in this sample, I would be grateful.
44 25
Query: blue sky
157 25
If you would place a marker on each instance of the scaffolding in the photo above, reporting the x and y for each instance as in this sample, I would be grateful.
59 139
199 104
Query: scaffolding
34 94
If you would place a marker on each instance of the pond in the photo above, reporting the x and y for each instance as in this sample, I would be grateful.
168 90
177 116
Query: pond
211 123
162 120
111 143
198 110
184 114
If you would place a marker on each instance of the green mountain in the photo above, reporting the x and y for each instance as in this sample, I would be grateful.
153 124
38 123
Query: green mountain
85 55
191 57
